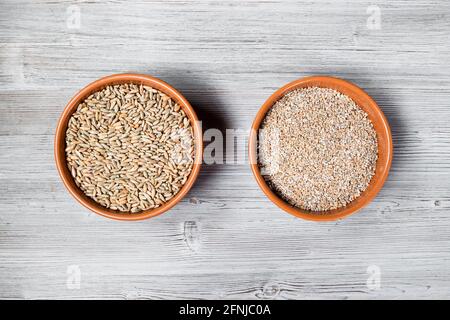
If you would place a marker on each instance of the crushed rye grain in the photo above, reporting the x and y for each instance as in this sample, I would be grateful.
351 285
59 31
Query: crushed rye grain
317 149
129 147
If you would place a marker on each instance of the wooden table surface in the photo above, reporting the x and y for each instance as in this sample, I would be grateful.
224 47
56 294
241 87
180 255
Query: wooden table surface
226 239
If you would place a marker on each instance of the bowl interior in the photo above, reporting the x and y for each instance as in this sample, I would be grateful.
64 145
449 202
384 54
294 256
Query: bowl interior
381 126
60 144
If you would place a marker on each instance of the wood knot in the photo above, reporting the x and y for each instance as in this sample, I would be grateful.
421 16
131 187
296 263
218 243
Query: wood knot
192 235
269 291
194 200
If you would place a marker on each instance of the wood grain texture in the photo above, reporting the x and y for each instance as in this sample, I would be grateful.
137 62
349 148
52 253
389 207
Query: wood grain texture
225 239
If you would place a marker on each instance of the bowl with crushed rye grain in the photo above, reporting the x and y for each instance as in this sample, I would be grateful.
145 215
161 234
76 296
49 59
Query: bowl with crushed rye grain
128 146
320 148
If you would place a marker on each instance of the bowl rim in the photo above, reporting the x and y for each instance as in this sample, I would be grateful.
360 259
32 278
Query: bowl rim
97 85
379 177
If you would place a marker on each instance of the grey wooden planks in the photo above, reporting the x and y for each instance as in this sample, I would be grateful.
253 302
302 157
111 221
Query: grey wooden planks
225 240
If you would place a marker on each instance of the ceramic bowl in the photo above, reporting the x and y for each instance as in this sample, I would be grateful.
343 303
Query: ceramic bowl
60 145
385 149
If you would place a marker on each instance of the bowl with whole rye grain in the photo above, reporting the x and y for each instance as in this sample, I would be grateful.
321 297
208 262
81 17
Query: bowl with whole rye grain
320 148
128 146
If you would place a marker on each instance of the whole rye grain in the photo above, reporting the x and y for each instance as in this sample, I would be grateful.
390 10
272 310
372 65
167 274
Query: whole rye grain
129 147
317 149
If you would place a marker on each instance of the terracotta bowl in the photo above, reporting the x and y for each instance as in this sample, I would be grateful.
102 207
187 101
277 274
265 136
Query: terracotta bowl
60 145
380 123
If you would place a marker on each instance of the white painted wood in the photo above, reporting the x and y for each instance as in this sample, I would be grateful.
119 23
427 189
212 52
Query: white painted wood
225 240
